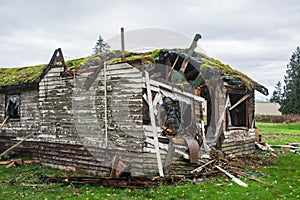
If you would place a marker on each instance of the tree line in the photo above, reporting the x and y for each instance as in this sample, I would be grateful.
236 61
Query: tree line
289 98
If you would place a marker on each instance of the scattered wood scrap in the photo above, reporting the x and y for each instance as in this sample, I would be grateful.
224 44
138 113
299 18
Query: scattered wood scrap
242 174
232 167
133 182
265 147
126 182
294 144
14 163
17 162
287 148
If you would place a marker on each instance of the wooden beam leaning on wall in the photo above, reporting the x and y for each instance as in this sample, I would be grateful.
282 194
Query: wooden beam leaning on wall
15 145
3 123
154 128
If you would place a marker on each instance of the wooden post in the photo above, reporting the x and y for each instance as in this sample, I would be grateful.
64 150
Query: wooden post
6 118
122 45
105 106
154 128
14 146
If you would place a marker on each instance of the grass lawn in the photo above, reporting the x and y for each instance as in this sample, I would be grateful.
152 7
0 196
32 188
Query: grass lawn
283 183
279 133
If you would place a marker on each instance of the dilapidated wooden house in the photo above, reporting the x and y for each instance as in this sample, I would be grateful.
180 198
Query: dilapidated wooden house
152 113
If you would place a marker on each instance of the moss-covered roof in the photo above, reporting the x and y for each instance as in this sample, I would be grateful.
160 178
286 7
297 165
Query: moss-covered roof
16 76
32 74
29 76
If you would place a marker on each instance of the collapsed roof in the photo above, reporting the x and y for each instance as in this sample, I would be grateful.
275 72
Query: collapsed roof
29 77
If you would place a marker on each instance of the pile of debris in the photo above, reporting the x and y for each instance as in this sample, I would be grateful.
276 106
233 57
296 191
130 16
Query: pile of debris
235 168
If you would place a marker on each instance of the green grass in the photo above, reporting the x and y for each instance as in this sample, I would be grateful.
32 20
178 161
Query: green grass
283 183
292 128
279 133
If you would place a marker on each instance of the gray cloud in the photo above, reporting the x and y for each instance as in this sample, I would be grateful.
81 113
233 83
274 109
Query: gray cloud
256 37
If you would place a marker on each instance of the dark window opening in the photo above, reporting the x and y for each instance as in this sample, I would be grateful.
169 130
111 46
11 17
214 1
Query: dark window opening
238 115
146 116
13 106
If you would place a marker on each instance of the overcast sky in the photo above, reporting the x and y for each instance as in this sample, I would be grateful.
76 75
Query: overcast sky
255 37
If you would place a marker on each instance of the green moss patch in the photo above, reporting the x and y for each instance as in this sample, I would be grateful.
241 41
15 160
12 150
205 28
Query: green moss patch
83 62
15 76
226 70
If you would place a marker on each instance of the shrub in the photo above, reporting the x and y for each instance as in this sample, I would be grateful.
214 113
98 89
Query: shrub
278 118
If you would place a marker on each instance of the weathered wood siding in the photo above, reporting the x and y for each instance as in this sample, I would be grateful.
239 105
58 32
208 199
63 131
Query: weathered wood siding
55 105
29 114
239 142
72 114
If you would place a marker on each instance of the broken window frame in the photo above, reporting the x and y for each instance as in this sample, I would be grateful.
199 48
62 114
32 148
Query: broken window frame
16 114
233 120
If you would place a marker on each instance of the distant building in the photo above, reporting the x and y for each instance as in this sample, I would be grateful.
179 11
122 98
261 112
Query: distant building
267 108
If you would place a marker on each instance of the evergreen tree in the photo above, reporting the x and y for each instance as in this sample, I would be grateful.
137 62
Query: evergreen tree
277 94
290 103
101 46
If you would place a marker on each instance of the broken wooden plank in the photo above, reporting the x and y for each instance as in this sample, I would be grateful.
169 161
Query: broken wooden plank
294 144
11 165
165 147
14 163
31 161
199 169
250 177
233 178
155 85
152 119
24 161
15 145
239 101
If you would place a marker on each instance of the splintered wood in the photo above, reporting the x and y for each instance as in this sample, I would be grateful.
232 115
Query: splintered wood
233 168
